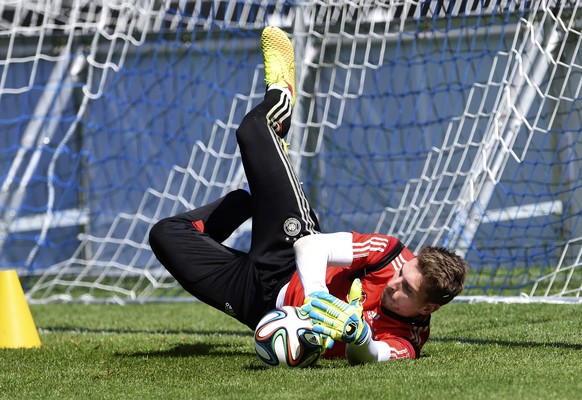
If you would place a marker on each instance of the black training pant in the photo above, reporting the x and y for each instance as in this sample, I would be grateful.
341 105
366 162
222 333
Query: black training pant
244 285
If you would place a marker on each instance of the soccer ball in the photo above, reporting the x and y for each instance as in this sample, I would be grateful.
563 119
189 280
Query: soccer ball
284 337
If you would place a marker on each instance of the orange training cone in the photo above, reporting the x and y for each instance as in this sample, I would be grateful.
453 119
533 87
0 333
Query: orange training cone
17 329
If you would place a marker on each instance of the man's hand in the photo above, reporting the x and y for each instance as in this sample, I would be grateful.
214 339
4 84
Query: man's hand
337 319
326 341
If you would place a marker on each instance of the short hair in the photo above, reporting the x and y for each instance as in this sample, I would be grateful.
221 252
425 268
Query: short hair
443 272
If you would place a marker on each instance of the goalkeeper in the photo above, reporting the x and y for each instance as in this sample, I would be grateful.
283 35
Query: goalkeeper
368 292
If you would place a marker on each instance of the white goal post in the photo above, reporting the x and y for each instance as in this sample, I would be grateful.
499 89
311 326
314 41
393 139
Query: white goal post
440 122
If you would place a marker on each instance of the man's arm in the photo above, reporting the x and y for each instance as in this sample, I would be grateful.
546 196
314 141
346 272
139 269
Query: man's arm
345 322
377 351
313 253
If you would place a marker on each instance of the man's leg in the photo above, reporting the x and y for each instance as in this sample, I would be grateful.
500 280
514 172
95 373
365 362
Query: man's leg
188 245
281 212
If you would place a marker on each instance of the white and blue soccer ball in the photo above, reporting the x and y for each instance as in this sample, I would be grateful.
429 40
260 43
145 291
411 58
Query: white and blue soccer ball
284 337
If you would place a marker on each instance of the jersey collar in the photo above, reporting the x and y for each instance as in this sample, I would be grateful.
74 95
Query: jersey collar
421 320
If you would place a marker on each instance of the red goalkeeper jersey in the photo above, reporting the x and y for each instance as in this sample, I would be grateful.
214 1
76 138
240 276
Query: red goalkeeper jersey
376 259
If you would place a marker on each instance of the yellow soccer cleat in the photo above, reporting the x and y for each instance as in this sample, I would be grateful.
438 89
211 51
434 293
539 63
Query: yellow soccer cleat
279 59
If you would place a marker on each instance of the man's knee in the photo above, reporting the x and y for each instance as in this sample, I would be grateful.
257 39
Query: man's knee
155 234
160 235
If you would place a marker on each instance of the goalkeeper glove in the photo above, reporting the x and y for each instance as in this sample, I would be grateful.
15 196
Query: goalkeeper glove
326 341
337 319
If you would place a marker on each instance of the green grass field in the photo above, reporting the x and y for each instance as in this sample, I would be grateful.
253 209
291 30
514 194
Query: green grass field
190 351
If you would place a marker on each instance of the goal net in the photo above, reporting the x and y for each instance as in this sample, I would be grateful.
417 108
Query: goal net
443 122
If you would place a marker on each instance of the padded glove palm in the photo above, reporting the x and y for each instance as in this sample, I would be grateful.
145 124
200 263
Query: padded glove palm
337 319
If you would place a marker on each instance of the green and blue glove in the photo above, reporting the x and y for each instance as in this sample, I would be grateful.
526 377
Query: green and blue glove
337 319
326 341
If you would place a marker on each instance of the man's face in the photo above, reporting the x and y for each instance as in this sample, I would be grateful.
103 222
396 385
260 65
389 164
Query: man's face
404 294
